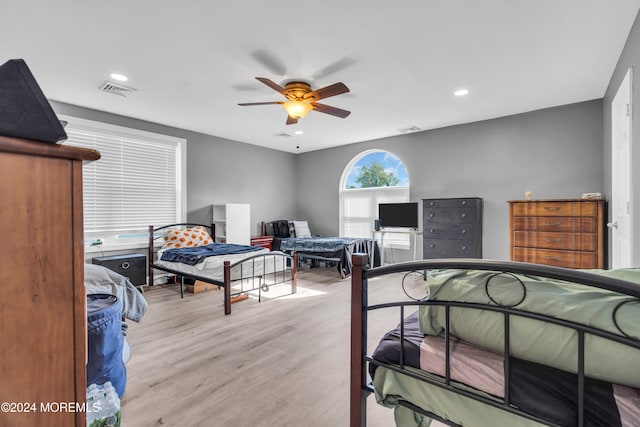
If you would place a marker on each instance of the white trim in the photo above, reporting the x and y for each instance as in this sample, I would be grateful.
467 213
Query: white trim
121 131
372 189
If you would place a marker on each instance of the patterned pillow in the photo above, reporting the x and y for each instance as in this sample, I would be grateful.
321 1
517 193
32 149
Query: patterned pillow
186 238
302 229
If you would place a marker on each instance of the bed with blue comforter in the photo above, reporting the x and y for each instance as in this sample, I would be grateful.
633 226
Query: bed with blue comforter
189 253
337 249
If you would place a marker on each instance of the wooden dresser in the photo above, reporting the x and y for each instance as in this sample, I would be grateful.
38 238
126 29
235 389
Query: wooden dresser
564 233
42 294
452 228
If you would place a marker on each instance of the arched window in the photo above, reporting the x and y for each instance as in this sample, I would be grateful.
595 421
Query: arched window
370 178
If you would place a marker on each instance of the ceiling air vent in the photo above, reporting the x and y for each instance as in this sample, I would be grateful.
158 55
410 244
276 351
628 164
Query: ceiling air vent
410 129
116 89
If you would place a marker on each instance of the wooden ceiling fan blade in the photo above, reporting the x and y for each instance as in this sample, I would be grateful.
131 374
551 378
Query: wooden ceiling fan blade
291 120
328 109
244 104
272 85
327 91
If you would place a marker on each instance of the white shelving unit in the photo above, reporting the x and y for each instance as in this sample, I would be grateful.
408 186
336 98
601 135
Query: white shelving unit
232 223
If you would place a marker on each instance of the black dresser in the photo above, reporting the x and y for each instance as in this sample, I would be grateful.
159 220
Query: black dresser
452 228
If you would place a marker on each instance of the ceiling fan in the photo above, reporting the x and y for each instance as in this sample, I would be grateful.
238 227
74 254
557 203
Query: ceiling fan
301 99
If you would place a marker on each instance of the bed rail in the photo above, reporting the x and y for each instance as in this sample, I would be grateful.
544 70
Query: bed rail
277 276
360 385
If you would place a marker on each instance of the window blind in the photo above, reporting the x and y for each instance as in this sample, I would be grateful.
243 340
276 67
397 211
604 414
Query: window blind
136 182
360 209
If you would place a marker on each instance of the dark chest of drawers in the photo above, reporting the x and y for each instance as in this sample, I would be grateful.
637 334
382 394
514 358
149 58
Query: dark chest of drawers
564 233
452 228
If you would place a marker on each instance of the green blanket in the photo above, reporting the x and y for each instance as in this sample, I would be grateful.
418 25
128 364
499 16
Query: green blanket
534 340
391 386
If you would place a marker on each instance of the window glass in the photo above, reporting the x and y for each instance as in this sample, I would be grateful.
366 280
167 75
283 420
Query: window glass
377 169
371 178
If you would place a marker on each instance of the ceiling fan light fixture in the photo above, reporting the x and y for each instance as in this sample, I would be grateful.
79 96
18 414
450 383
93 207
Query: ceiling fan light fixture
301 99
297 109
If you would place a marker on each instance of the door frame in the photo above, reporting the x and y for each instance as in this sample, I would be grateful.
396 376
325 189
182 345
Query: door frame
626 83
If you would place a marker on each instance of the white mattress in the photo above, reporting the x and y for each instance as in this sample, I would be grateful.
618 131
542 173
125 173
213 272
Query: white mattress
213 267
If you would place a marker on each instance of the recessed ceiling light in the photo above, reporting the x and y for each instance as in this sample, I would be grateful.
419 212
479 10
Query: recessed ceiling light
118 77
461 92
298 132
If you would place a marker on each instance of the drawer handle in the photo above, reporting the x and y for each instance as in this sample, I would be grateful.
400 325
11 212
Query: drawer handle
550 240
552 208
554 258
431 230
432 203
464 248
464 202
125 265
464 215
552 223
464 231
432 245
431 215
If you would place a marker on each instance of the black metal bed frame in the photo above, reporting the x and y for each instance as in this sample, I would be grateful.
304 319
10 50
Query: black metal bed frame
361 387
287 273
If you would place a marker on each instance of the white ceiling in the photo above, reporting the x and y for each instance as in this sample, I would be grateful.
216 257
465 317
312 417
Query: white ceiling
193 61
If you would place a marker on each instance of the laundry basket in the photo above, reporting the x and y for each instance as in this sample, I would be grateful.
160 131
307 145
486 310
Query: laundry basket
105 341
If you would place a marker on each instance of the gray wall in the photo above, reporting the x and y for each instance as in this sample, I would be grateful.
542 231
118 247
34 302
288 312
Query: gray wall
221 171
554 153
630 58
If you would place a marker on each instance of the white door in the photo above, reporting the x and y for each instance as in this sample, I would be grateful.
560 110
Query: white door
620 225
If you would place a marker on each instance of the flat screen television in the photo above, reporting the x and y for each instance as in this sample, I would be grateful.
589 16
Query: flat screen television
403 215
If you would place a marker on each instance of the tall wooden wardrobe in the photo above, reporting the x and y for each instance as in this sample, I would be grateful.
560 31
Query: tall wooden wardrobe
42 293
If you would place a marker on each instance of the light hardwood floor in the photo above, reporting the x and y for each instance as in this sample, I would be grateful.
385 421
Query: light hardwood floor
281 362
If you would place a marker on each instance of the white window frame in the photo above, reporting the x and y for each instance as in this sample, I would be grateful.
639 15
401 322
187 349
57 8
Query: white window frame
132 239
392 240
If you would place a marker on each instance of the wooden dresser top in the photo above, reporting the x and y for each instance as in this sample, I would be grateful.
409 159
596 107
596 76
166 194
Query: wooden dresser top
554 200
46 149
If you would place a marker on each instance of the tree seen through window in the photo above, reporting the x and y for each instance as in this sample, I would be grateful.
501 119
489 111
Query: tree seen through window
377 169
374 175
